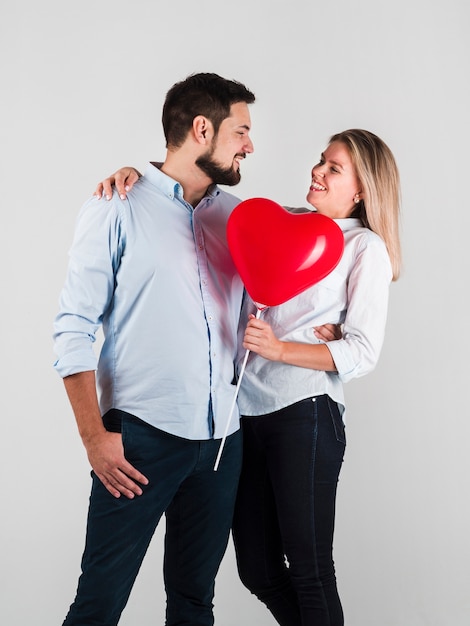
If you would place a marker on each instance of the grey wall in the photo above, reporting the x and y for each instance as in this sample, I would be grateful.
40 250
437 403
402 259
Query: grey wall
82 89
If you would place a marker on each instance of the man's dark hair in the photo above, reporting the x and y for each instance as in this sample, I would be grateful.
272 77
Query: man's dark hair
200 94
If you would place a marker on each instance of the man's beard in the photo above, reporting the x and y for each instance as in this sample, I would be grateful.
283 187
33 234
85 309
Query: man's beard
218 174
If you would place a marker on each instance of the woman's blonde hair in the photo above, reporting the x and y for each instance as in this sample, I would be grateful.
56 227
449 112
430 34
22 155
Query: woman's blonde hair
378 175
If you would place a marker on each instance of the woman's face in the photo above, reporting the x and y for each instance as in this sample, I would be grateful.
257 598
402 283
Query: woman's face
335 185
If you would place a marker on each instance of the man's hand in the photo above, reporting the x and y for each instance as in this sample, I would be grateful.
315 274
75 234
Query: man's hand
106 455
123 179
105 450
328 332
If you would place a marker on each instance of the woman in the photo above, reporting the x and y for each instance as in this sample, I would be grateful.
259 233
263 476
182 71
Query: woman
291 396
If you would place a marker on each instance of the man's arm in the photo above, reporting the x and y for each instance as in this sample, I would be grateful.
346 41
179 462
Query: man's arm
104 449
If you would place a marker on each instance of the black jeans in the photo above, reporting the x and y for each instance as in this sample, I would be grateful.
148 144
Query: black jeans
198 503
285 510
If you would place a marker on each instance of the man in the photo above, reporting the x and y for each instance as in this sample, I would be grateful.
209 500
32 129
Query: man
155 272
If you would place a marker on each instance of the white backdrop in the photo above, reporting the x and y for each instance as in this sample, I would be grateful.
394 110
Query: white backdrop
82 88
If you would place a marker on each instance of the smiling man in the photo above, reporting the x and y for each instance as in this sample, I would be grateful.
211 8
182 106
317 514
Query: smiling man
155 272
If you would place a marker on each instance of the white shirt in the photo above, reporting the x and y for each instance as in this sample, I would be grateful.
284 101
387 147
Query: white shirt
354 294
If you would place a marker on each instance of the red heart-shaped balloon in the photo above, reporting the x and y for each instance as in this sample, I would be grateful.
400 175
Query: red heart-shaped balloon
279 254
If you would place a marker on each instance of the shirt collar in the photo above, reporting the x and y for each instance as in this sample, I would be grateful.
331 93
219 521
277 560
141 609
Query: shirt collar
169 186
348 223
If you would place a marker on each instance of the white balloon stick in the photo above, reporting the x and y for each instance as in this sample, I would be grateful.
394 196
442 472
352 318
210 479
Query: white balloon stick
232 407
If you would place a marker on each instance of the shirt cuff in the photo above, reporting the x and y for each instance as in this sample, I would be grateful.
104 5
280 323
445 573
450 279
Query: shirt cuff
75 362
346 366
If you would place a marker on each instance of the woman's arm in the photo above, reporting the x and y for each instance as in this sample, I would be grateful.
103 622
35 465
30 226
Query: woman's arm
259 338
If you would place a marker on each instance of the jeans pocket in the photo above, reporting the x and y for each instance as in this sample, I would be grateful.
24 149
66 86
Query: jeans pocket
117 421
337 420
112 420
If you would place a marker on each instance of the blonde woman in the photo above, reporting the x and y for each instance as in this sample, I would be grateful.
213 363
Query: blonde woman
291 397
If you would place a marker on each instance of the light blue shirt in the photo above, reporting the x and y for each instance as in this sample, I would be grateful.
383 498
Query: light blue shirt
354 294
158 277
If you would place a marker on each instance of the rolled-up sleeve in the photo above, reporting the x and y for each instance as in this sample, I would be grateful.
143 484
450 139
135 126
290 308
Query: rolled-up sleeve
89 285
357 353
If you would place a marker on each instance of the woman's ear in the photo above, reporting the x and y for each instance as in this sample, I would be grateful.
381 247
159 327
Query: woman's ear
357 197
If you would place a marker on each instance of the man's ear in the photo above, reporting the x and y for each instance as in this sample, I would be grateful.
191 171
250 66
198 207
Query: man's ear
202 129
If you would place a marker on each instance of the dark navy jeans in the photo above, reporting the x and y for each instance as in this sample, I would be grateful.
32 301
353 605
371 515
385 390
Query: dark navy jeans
198 504
285 510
